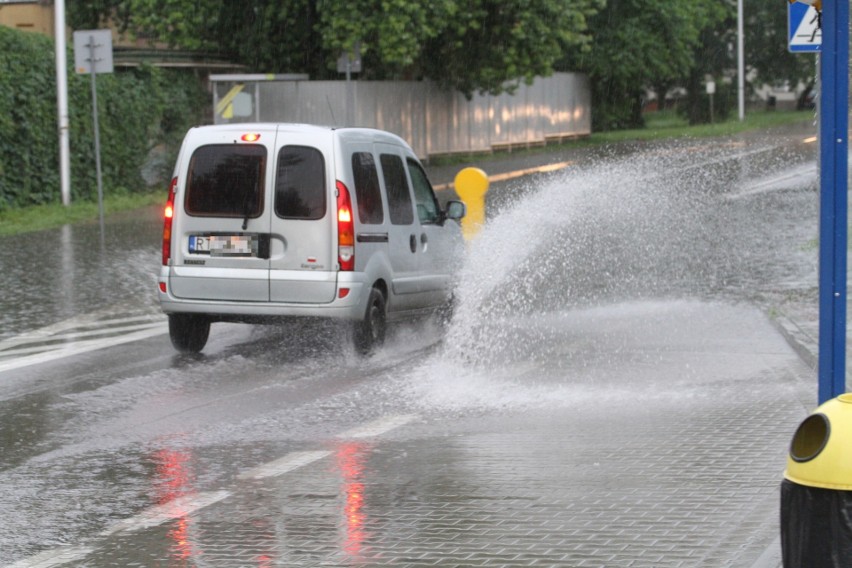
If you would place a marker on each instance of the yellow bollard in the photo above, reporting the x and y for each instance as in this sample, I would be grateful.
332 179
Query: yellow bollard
471 186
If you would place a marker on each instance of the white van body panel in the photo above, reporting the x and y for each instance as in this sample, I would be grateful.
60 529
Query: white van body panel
303 259
205 276
274 262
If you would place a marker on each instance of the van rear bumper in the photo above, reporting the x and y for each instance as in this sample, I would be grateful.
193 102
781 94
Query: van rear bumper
351 307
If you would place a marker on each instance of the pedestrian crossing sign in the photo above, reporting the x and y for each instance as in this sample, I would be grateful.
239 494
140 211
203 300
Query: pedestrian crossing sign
803 29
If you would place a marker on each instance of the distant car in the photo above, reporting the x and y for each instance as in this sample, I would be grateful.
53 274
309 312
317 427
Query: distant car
272 221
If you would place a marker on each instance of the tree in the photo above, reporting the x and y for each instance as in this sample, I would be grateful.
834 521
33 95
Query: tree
640 45
469 45
491 42
714 57
766 50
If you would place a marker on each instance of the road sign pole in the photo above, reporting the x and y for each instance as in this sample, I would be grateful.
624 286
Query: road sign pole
92 46
833 133
93 54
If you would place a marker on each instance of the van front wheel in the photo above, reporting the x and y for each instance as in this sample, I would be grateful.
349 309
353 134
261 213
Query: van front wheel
188 332
369 333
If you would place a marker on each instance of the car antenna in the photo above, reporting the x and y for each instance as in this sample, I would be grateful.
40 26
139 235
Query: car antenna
330 110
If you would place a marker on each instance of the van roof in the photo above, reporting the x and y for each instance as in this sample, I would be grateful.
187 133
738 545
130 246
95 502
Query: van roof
344 132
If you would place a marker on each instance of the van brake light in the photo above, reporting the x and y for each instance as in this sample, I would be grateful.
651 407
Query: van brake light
168 215
345 229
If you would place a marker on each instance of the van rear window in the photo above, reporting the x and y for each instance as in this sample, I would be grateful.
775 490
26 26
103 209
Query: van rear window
300 186
226 181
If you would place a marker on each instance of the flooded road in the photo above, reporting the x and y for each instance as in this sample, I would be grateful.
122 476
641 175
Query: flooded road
606 321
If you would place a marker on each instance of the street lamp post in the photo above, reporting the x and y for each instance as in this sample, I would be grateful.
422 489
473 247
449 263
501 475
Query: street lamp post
740 61
62 101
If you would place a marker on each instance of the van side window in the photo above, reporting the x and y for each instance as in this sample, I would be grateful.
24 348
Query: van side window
226 181
399 197
424 197
300 185
370 208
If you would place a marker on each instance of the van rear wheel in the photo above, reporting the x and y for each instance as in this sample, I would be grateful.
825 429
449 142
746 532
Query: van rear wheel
445 313
369 333
188 332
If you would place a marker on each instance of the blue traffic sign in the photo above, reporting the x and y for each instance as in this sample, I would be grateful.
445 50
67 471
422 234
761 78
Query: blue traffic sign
803 28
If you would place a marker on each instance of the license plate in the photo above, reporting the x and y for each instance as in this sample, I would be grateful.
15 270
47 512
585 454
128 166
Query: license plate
224 245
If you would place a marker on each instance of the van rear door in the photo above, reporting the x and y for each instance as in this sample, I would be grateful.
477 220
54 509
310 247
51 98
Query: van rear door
221 238
303 262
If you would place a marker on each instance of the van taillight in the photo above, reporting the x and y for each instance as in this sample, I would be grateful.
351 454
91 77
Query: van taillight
168 215
345 229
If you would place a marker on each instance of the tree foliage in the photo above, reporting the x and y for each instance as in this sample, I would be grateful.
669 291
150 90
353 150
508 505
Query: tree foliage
766 50
715 57
641 45
138 110
469 45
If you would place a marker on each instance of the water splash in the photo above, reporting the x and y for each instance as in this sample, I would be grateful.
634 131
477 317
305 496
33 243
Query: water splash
617 234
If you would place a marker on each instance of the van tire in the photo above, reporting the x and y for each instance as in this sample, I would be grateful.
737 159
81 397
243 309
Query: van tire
369 333
445 313
188 332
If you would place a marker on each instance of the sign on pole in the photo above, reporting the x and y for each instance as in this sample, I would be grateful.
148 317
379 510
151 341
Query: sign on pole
93 51
93 55
350 62
803 30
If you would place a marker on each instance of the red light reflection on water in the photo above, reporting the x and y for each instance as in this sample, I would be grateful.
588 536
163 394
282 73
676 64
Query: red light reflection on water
175 478
350 460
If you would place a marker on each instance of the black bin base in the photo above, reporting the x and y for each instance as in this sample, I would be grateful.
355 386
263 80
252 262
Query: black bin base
816 527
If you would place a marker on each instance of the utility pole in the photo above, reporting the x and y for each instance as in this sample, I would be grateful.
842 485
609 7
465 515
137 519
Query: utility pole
62 101
833 166
740 61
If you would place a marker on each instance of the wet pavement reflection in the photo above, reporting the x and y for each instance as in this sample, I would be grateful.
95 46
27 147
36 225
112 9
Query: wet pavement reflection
50 276
607 395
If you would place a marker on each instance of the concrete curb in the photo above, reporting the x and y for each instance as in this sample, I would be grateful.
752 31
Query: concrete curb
802 343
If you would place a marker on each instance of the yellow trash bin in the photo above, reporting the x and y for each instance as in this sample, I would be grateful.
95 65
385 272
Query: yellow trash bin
816 494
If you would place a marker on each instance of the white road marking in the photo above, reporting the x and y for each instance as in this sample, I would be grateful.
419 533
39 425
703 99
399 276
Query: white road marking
180 507
378 427
68 338
290 462
68 349
54 557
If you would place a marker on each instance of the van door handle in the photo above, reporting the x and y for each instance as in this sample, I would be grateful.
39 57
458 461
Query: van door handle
412 242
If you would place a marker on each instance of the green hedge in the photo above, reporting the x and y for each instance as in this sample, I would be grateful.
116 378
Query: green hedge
139 110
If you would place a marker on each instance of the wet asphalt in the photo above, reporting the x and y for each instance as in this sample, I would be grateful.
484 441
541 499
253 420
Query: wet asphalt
614 389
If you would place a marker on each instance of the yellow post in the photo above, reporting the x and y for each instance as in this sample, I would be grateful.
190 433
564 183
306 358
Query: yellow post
471 186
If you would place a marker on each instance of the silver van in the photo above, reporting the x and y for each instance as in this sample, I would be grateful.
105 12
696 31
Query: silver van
271 221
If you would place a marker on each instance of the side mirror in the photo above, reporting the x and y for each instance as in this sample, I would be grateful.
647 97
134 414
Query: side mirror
456 210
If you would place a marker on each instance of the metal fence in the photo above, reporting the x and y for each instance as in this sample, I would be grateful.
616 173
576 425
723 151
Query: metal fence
433 121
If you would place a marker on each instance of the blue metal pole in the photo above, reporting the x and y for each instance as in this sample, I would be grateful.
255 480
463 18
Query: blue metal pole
833 130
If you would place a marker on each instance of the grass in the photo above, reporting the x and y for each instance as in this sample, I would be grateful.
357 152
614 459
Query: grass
50 216
667 124
659 125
